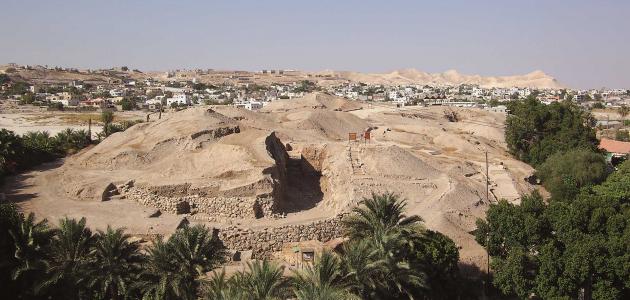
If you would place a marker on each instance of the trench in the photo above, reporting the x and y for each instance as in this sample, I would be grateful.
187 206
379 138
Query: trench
303 187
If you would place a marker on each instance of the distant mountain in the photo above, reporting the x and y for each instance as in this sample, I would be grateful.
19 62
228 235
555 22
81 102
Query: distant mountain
536 79
41 75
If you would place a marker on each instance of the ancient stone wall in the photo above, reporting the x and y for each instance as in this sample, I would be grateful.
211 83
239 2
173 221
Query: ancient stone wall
278 173
265 241
226 207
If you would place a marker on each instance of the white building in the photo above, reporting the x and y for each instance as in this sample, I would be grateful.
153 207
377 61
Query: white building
180 99
116 93
524 92
248 104
66 102
477 92
253 105
155 101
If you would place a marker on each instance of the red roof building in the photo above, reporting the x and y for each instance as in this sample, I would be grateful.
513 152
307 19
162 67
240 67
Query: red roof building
615 147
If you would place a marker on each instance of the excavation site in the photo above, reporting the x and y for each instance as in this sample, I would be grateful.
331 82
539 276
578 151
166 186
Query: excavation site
286 173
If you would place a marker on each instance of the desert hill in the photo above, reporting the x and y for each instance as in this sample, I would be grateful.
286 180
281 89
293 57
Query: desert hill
536 79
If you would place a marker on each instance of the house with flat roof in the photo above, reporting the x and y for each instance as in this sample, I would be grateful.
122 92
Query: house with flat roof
616 151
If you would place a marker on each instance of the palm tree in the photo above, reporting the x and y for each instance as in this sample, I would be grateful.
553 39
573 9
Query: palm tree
116 264
11 151
324 280
159 278
31 240
363 269
107 117
382 249
70 257
219 287
174 268
40 141
379 216
262 281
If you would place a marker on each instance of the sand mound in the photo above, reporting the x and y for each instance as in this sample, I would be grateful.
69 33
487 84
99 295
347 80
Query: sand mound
146 143
393 161
334 125
291 164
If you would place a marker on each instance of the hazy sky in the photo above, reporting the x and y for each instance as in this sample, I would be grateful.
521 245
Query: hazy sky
582 43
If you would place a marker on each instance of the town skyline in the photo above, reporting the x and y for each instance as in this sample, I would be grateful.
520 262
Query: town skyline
565 39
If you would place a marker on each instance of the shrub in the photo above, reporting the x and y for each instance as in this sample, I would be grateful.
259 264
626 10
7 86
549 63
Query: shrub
563 174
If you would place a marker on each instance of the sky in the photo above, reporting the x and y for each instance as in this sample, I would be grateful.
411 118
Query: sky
584 44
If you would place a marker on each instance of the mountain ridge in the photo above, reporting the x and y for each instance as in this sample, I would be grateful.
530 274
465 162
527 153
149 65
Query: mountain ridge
534 79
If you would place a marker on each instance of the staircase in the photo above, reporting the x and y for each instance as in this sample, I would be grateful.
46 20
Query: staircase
355 161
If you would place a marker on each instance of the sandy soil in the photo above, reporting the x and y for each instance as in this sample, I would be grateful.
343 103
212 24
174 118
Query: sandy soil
438 166
24 119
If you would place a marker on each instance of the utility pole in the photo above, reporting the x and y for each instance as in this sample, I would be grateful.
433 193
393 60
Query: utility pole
487 180
90 130
488 233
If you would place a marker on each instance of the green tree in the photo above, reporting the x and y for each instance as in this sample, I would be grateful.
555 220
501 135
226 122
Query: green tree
564 173
117 262
69 263
263 280
534 131
379 216
27 98
391 239
598 105
9 221
323 280
622 135
107 117
4 78
12 152
440 257
564 249
175 267
32 241
127 104
219 287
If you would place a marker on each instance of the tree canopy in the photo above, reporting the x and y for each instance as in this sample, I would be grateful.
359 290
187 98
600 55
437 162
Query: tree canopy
564 249
395 258
534 131
564 173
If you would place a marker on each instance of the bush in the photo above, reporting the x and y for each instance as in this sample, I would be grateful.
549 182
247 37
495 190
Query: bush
4 78
598 105
19 153
128 104
622 135
56 105
27 98
565 173
119 127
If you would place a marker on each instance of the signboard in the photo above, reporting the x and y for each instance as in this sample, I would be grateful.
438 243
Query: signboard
352 136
